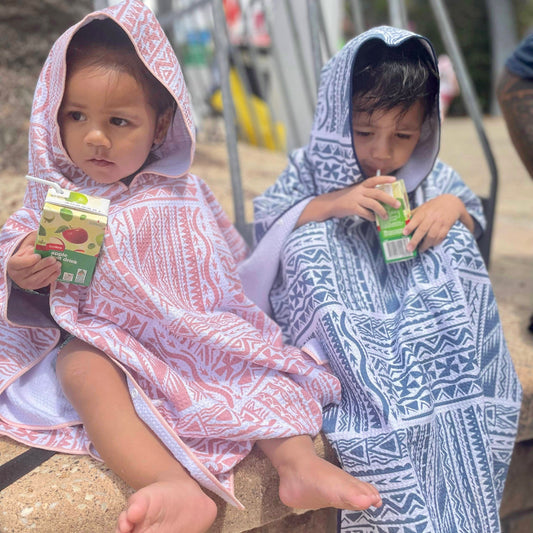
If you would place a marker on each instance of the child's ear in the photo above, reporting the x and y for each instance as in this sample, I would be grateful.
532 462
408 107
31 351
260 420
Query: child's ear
161 128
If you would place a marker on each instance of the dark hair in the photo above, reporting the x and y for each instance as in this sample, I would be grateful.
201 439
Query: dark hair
385 77
103 43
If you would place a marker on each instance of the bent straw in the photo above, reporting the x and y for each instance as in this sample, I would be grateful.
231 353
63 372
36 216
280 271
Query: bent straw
56 186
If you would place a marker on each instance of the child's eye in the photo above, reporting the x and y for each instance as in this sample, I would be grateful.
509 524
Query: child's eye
76 116
362 133
405 136
116 121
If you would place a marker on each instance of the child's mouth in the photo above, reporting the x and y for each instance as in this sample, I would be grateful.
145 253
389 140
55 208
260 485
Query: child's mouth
101 162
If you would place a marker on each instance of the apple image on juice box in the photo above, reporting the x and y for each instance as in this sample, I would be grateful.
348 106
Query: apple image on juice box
72 230
393 241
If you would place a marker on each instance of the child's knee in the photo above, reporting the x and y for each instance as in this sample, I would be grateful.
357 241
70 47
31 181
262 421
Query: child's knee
77 364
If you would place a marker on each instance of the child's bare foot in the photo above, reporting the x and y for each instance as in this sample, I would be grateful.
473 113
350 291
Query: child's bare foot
316 483
167 507
310 482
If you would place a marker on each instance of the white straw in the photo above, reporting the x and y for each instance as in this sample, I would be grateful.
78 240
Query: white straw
378 173
46 182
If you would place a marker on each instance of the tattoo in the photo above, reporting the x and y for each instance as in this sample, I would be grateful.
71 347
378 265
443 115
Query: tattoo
515 96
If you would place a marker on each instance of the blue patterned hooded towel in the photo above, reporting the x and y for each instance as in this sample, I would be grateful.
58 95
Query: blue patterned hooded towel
430 399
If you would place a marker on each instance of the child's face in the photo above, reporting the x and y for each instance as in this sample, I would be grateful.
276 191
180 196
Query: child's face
385 140
107 125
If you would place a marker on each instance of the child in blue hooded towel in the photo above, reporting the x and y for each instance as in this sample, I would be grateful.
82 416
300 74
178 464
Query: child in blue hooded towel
430 398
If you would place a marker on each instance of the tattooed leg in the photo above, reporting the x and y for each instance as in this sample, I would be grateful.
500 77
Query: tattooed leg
515 96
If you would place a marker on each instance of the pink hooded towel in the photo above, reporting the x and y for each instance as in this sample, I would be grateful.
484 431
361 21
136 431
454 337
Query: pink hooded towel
206 368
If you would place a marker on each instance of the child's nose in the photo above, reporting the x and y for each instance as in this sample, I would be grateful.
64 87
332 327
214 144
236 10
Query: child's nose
97 137
382 149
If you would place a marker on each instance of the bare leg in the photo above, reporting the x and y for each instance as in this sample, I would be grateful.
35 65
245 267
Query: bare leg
167 500
310 482
515 96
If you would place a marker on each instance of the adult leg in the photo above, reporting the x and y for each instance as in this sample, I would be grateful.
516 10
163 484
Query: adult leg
310 482
515 96
167 498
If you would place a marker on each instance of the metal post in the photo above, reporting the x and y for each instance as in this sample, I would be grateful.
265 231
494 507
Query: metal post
398 13
471 103
222 55
322 25
280 75
235 54
312 12
301 60
358 18
262 88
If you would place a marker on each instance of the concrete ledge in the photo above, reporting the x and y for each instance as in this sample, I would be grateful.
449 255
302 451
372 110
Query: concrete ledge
71 493
256 486
517 506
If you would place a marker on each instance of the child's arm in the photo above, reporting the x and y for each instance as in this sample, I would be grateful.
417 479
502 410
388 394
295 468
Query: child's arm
363 200
29 270
431 222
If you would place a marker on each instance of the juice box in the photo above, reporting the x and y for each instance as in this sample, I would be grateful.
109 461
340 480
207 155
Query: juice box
393 242
72 230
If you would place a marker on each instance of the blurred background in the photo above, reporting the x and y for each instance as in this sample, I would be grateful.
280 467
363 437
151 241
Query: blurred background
262 58
272 67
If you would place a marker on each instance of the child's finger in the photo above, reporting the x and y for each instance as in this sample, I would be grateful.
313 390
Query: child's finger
416 236
22 261
382 197
434 236
375 207
385 198
43 277
30 274
27 244
43 265
377 180
380 211
366 213
415 221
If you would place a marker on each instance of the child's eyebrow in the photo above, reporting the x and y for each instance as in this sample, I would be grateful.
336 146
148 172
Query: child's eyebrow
71 103
123 112
407 127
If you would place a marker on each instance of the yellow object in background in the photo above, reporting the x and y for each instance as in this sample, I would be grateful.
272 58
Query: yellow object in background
268 137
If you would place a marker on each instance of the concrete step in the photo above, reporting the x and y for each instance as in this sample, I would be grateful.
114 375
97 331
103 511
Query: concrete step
77 494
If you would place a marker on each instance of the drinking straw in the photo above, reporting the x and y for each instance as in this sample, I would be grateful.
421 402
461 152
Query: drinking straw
56 186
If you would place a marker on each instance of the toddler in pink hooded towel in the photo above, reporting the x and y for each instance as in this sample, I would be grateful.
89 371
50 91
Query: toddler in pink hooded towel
162 367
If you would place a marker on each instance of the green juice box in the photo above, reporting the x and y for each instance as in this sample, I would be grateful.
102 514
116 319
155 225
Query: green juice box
72 230
393 241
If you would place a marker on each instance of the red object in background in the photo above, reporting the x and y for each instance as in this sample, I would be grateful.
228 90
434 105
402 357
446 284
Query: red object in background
257 34
233 11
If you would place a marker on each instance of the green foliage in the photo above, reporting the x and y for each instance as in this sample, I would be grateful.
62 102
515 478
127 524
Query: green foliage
524 16
470 24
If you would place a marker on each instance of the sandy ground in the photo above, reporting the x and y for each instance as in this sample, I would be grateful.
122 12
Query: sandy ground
511 267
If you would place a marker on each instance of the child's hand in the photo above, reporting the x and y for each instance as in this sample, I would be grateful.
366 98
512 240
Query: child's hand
362 199
366 201
28 269
431 222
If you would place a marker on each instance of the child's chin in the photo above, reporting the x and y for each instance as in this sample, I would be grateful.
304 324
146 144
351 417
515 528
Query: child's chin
104 180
